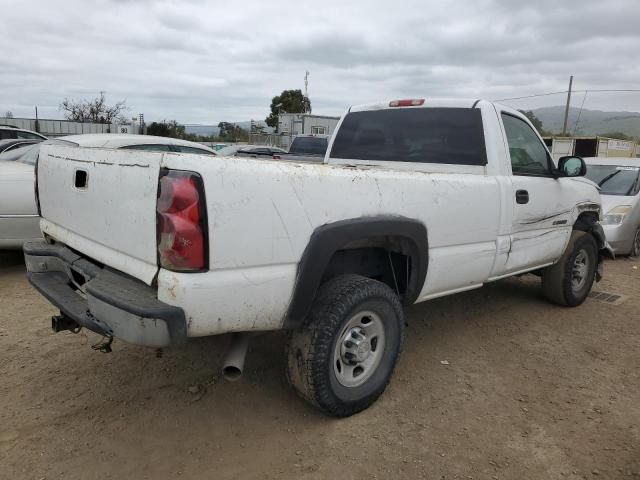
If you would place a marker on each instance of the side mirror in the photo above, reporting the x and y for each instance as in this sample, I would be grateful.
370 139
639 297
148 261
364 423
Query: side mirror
572 167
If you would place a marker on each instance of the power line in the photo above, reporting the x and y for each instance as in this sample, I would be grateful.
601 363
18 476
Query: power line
575 127
565 91
530 96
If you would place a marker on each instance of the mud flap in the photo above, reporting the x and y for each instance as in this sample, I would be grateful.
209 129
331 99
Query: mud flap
605 250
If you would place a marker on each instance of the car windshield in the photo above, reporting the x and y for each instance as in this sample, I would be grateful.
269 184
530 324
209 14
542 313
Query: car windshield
614 179
29 153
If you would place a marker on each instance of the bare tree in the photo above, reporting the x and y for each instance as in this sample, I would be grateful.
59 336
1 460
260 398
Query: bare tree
8 114
95 111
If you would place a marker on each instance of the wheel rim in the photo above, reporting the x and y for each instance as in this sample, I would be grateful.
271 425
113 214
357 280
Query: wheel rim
359 349
636 244
580 271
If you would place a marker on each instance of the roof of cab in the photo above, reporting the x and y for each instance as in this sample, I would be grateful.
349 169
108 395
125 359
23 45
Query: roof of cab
114 140
428 102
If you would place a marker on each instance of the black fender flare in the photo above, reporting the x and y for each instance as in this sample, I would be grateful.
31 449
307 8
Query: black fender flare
331 237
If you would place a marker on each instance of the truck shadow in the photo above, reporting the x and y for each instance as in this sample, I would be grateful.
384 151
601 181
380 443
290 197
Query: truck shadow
9 259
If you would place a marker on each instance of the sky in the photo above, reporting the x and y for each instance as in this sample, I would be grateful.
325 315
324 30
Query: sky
208 61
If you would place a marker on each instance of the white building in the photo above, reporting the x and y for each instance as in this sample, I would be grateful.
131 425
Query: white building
292 124
591 147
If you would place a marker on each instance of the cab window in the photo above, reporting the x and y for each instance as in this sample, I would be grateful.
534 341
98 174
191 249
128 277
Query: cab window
527 152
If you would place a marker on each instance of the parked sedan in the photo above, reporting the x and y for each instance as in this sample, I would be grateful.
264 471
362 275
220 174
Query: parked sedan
259 151
19 221
253 151
619 182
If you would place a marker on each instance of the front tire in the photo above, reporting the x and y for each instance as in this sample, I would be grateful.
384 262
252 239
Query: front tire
343 356
569 281
635 246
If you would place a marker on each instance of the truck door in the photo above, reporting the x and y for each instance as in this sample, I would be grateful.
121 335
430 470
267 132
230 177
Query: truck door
541 208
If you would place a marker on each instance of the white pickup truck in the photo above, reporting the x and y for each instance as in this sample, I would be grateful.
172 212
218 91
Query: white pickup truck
415 199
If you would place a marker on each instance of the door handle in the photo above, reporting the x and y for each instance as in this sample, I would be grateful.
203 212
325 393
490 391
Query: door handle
522 196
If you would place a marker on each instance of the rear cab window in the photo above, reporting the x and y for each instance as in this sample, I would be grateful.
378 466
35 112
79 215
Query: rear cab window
453 136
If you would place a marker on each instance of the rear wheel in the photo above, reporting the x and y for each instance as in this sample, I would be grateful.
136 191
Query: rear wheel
635 247
343 356
569 281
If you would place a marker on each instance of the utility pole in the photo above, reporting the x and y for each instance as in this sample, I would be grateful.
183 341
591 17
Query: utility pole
306 87
37 125
566 109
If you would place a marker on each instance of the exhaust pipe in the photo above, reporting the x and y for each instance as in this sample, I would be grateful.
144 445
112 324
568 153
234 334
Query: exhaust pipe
234 361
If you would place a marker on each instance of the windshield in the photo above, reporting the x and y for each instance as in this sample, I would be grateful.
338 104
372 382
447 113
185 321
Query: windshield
309 145
613 179
29 153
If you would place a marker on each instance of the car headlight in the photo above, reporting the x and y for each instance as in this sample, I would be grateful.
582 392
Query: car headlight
616 215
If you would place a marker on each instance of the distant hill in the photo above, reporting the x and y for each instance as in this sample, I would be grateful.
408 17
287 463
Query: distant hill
592 122
208 130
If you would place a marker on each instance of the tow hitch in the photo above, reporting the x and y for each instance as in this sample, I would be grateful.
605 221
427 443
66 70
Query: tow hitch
60 323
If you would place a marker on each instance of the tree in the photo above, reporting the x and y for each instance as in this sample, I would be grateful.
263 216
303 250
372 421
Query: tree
535 121
8 114
230 132
95 111
289 101
170 129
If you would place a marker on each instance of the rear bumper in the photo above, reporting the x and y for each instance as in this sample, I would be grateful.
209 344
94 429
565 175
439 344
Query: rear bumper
102 300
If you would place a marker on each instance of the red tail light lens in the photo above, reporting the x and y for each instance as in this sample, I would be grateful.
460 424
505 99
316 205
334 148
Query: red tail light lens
409 102
181 222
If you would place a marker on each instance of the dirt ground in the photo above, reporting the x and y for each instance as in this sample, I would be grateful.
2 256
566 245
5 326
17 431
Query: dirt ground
530 391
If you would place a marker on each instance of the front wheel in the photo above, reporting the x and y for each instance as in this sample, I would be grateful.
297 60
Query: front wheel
569 281
343 356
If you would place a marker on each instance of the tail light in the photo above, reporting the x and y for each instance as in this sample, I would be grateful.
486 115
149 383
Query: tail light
409 102
181 222
276 157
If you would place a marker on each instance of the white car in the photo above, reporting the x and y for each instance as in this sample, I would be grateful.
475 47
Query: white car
619 182
415 199
19 220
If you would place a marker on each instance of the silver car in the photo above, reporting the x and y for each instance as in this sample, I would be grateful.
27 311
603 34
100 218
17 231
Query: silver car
619 182
19 220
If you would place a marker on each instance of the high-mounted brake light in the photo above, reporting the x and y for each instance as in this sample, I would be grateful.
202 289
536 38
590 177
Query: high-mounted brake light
409 102
181 222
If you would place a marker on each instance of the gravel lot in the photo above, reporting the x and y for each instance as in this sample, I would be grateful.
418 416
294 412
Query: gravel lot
494 383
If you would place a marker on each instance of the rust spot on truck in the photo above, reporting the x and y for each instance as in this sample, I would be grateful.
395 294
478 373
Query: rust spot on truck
171 288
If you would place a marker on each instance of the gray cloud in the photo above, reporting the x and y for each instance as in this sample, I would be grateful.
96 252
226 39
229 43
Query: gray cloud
200 61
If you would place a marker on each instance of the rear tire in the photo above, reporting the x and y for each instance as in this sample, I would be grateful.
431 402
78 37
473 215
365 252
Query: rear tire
343 356
569 281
